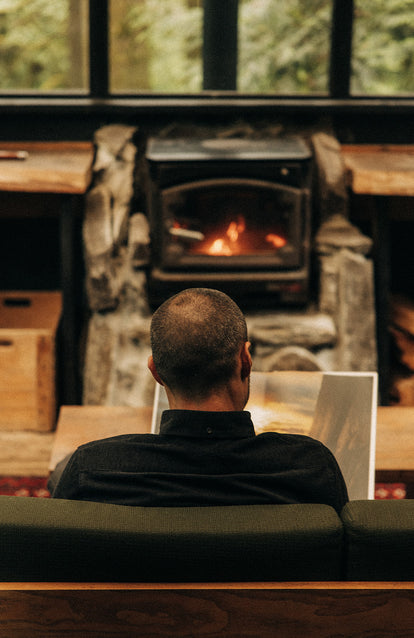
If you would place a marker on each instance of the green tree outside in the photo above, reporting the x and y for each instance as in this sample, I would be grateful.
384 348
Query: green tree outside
156 46
42 45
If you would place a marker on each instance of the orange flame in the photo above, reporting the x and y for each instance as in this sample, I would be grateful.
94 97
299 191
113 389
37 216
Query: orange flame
276 240
229 245
219 247
235 229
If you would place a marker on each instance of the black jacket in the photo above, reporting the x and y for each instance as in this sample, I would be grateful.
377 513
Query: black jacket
204 458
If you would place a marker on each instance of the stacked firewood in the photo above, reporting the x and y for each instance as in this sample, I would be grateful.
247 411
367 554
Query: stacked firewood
402 332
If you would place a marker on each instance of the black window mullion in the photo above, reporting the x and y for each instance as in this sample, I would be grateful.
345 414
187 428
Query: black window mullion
99 48
220 45
341 48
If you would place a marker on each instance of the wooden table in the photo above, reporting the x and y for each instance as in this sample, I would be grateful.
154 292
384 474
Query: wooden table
394 460
81 424
381 171
50 167
65 169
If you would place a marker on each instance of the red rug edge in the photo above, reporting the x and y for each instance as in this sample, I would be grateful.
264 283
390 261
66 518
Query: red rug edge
35 486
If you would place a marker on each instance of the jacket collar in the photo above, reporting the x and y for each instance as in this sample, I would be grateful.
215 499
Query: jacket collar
199 424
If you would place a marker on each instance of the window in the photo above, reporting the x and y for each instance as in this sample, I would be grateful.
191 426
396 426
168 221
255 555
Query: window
383 47
278 47
156 46
258 48
284 46
43 45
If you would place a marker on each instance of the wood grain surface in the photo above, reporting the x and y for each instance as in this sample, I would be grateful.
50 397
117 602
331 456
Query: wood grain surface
265 610
50 167
380 170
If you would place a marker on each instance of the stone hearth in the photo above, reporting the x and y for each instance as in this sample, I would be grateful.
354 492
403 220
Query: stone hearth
335 331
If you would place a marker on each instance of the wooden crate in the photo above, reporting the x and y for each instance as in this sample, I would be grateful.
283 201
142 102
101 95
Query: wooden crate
28 325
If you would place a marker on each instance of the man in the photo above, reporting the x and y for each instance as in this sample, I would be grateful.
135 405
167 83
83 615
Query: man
207 452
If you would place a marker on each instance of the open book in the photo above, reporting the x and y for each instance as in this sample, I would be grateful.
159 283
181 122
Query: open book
337 408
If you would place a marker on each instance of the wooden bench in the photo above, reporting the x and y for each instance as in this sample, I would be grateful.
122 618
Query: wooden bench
220 610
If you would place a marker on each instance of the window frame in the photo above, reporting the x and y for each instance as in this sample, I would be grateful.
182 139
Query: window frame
99 99
340 50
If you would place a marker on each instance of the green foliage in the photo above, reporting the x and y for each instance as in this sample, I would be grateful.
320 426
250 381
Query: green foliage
383 47
34 51
167 35
284 46
156 46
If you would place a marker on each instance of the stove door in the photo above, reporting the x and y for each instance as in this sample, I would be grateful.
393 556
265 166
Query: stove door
232 224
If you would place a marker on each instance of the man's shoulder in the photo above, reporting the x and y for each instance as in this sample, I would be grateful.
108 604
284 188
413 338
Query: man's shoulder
293 445
290 439
119 440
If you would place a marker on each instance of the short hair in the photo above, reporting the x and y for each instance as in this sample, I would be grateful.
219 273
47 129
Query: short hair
196 336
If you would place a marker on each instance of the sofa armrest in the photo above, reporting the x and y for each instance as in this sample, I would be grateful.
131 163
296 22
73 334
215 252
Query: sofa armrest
59 540
379 540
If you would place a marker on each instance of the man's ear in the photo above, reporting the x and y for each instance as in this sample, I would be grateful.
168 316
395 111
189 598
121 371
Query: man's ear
153 370
246 360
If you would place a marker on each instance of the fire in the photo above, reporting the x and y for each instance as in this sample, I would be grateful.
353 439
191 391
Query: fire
233 239
235 229
219 247
229 245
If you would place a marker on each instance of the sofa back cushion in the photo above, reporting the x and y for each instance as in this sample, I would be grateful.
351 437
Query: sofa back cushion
379 540
58 540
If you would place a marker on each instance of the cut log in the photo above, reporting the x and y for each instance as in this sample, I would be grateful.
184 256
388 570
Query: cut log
402 331
402 390
402 314
405 344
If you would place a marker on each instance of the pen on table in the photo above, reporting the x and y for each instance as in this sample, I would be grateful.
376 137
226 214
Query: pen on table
13 155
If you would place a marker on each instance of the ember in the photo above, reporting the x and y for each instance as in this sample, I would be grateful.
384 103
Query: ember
229 245
276 240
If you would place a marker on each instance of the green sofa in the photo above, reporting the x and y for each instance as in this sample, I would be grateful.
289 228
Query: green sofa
254 563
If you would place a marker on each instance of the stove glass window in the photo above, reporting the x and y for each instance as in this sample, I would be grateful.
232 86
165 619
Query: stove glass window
231 220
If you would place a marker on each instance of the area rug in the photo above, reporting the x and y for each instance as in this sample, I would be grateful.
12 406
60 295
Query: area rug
24 486
390 491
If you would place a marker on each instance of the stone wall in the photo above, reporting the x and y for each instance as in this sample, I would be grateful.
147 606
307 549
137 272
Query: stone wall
328 335
116 246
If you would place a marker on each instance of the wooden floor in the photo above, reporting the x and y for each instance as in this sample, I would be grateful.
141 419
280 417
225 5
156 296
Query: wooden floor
24 453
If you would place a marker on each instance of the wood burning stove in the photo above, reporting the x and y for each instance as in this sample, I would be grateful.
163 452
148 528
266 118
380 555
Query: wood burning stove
232 214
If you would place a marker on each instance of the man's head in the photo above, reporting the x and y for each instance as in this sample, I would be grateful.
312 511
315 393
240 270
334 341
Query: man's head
199 342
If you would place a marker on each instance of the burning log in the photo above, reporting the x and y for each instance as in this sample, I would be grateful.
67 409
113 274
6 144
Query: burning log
402 331
405 344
